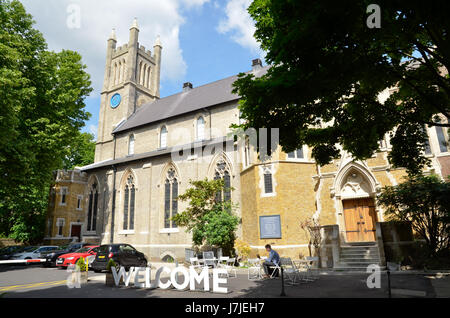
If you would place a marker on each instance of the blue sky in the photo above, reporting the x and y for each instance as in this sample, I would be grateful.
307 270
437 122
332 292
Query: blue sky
203 40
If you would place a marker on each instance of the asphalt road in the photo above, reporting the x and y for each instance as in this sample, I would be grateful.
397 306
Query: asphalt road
32 277
36 281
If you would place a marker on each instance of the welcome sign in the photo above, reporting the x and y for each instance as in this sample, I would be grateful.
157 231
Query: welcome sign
142 278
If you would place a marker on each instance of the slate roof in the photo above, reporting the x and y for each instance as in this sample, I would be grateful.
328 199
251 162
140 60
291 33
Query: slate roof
154 153
197 98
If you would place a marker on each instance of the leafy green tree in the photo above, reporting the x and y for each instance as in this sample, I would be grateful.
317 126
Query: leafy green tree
42 99
425 202
210 221
329 68
81 152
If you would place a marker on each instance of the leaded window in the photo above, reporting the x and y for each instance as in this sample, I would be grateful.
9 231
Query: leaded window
222 172
170 198
92 208
128 204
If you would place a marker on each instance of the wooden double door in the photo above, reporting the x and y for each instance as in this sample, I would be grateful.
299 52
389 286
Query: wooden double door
360 219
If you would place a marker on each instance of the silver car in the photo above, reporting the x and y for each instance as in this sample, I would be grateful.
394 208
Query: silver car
34 253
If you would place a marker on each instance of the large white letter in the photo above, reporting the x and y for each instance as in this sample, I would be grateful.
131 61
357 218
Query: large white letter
173 277
137 276
217 280
195 277
122 273
158 279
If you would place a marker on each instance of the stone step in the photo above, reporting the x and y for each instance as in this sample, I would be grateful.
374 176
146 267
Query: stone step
373 258
368 248
363 255
356 264
355 269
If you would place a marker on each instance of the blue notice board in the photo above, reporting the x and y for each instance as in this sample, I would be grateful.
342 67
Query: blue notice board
270 226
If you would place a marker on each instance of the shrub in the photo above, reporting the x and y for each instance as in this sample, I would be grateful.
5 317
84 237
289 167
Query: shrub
110 264
81 263
243 249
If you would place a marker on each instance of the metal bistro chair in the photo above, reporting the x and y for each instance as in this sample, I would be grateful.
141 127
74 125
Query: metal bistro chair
254 269
195 264
209 259
228 264
302 270
290 271
276 269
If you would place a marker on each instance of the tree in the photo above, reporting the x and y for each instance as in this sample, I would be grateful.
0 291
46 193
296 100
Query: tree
425 202
81 152
42 99
210 221
328 69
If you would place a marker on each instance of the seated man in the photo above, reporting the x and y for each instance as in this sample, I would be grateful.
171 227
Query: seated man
272 260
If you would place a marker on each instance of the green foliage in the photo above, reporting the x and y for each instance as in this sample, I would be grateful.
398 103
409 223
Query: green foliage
329 67
81 263
42 100
210 221
111 264
425 202
81 152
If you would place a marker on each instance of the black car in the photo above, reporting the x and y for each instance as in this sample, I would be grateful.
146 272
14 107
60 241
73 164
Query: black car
50 258
122 254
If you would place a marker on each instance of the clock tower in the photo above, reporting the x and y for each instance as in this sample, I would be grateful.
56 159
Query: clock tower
131 79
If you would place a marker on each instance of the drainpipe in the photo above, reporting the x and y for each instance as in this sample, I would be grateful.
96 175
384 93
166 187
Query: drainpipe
113 208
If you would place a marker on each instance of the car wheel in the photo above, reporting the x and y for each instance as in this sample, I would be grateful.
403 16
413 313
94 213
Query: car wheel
143 263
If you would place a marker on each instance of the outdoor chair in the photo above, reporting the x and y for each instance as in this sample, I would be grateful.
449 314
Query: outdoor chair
290 272
195 264
276 270
302 270
209 260
229 265
254 269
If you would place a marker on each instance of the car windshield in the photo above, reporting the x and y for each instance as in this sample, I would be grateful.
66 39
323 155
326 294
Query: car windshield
83 250
28 248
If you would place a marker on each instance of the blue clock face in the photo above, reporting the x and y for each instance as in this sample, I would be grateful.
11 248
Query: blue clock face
115 100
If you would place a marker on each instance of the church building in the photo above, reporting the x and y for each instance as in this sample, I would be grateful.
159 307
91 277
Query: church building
149 148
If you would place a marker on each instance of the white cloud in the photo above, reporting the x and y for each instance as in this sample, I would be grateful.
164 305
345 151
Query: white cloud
93 130
240 25
155 17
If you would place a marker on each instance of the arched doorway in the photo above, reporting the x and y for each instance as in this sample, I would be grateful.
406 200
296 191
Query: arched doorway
356 189
360 219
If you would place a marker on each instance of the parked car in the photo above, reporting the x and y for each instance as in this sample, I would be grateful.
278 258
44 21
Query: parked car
34 253
122 254
71 258
51 257
8 251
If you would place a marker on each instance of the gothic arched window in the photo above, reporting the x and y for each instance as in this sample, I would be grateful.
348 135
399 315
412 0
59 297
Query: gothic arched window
131 145
170 198
92 208
223 172
128 204
163 137
200 128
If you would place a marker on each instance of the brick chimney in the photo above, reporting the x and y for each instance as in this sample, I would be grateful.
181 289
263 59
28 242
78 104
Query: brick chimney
256 64
187 86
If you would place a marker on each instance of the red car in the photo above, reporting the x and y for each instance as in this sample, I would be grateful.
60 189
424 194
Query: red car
71 258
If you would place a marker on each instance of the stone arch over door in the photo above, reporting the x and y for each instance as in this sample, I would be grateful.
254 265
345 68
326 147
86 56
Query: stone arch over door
355 189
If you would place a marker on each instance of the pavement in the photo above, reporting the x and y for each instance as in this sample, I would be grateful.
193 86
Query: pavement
37 282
